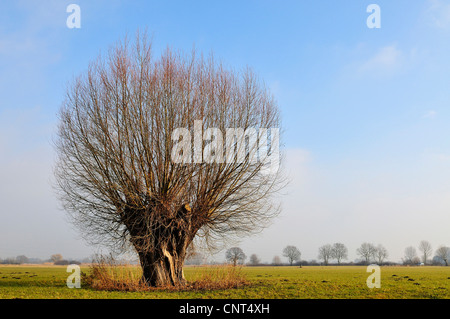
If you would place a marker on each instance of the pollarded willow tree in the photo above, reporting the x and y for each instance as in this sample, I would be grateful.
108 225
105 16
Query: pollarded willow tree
155 152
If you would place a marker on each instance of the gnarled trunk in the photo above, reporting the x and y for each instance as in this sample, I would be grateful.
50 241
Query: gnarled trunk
161 245
162 267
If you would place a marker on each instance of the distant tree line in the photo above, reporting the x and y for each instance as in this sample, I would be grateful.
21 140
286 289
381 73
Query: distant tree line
441 255
56 259
368 253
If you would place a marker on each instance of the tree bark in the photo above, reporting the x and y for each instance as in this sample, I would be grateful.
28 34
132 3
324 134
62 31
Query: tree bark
162 268
162 254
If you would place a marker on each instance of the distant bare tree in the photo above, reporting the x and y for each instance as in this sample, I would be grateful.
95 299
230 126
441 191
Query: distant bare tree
426 249
367 252
276 260
122 128
381 254
410 256
325 253
292 254
235 255
254 260
339 252
443 253
56 257
22 259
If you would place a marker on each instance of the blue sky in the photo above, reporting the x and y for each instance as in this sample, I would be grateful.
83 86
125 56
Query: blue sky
365 111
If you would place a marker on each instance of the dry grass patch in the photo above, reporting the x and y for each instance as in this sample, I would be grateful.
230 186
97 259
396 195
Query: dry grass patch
103 276
107 274
219 277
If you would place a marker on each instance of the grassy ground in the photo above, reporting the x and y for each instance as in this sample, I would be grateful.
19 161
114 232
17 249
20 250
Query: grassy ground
266 282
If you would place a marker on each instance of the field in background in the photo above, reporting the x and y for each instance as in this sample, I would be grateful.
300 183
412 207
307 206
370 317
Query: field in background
266 282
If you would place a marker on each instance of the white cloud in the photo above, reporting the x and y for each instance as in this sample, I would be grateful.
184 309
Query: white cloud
439 14
430 114
387 59
440 157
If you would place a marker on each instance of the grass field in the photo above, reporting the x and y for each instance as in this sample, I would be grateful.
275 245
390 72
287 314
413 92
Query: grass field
266 282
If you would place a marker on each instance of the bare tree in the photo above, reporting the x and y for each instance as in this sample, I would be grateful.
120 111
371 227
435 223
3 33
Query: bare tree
426 249
292 254
56 257
410 256
325 253
339 252
235 255
118 145
367 252
22 259
254 260
381 254
443 253
276 260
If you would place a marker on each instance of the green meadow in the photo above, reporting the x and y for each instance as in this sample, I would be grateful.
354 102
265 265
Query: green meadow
342 282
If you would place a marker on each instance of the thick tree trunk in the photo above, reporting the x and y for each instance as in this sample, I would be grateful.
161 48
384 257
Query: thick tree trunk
162 245
162 268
